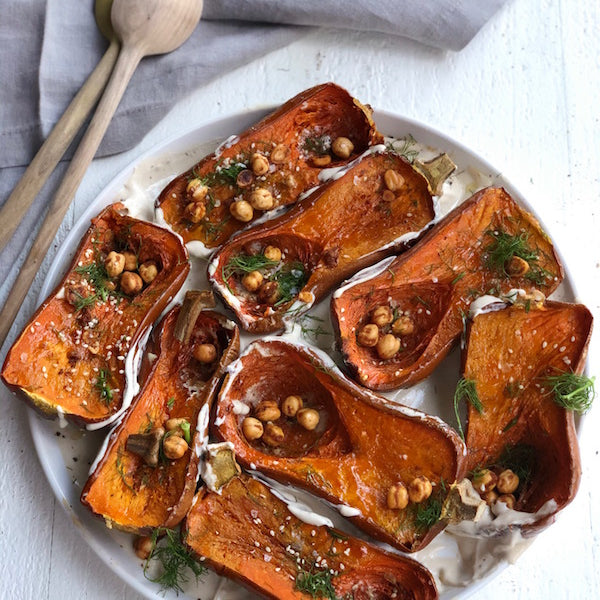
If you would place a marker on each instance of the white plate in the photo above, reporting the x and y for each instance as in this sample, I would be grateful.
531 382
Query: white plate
57 452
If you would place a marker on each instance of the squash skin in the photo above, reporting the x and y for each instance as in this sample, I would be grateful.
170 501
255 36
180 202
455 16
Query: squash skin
233 552
326 109
126 493
348 459
61 362
552 339
343 226
436 279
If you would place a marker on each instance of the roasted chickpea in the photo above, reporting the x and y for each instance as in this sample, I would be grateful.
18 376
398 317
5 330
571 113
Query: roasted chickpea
111 286
131 261
403 325
241 211
321 161
342 147
175 424
279 154
419 489
252 281
268 292
484 481
174 447
252 428
508 482
388 196
131 283
306 297
267 410
148 271
382 316
262 199
272 253
291 405
489 497
205 353
196 189
143 547
517 266
114 264
308 418
195 211
397 497
260 164
273 435
388 346
393 180
245 178
508 499
368 335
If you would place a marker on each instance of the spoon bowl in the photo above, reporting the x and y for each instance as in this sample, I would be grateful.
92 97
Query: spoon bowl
155 26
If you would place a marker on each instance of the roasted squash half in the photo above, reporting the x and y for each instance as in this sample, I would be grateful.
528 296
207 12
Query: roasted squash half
415 305
124 489
513 359
276 271
278 158
359 446
246 533
72 356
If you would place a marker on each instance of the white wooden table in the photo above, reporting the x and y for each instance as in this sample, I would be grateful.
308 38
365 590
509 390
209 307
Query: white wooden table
525 94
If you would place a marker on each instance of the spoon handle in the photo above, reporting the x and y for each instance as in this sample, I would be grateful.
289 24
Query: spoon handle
56 144
128 60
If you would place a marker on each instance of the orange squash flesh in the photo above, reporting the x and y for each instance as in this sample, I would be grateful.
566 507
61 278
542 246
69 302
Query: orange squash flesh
509 354
319 114
126 492
434 283
362 446
72 361
248 534
349 223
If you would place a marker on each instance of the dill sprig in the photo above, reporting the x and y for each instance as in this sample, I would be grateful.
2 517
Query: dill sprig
240 264
572 391
103 387
318 144
96 275
316 583
505 246
290 280
175 560
212 230
520 459
310 325
221 175
428 513
466 391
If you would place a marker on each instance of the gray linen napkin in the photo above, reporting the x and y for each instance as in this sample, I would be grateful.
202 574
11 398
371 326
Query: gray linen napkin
232 33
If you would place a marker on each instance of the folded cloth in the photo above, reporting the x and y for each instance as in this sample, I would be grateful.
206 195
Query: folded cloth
232 33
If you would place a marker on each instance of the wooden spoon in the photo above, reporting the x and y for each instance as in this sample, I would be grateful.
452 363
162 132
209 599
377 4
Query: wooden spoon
145 27
53 149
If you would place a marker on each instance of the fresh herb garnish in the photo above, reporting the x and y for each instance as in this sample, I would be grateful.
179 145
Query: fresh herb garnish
318 144
185 427
96 275
175 560
240 264
428 513
171 402
310 326
520 459
212 230
572 391
458 278
511 424
103 387
316 583
505 246
121 470
290 280
466 391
